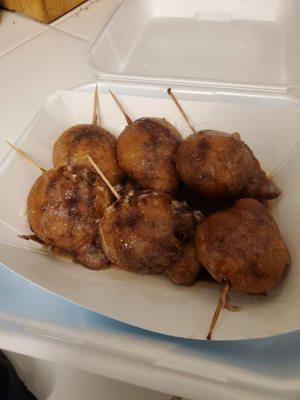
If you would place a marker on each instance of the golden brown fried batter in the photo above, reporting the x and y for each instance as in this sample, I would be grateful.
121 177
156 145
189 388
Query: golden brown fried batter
243 245
73 145
91 255
196 202
145 232
145 151
185 271
64 207
218 165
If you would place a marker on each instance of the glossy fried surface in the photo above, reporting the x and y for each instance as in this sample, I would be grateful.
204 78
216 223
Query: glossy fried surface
145 151
218 165
91 255
185 271
73 145
145 232
197 202
64 207
243 245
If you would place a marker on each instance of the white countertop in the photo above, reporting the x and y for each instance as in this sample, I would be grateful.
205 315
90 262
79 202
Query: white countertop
36 60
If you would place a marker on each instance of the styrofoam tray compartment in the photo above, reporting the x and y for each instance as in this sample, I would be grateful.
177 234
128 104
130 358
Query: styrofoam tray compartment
235 43
153 302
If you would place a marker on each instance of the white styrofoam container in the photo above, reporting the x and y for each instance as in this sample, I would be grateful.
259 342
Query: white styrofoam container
153 302
234 44
138 31
250 55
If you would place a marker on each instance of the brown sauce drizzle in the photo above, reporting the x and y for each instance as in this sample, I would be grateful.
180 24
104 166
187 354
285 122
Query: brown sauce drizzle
31 237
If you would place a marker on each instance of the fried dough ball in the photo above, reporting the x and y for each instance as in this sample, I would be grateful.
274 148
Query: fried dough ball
64 207
145 151
243 246
185 271
218 165
145 231
73 145
91 255
206 205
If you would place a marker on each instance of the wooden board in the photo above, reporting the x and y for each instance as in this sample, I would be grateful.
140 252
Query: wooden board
43 10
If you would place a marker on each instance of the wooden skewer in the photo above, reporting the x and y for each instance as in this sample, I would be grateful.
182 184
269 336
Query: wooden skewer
113 190
96 107
26 156
121 108
181 109
218 309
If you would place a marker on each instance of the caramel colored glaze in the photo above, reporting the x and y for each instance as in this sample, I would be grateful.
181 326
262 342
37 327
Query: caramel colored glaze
145 232
196 202
91 255
243 245
128 186
232 308
261 187
60 253
210 206
186 270
218 165
34 238
269 204
145 151
73 145
64 207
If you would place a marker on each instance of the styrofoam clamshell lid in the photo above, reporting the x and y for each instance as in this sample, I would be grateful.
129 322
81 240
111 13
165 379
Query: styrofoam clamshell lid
231 44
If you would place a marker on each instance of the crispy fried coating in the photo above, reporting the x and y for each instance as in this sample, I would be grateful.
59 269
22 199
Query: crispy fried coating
73 145
91 255
145 151
64 207
185 271
243 245
145 232
218 165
